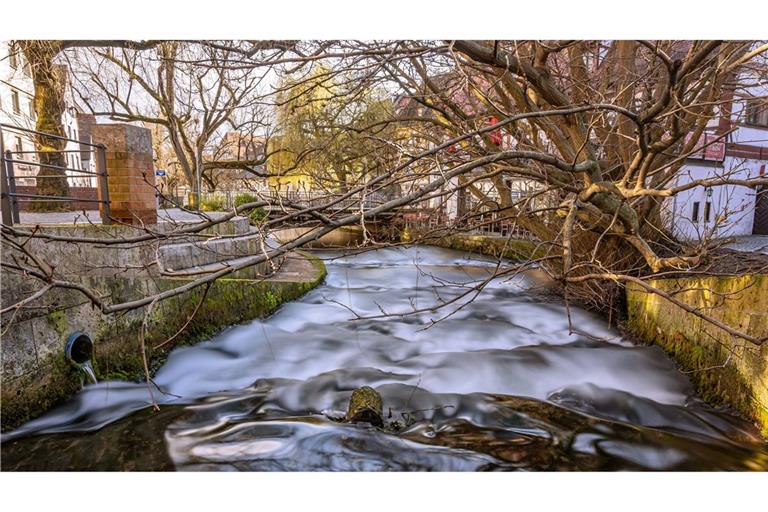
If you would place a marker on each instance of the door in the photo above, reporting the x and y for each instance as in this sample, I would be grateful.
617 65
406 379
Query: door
761 211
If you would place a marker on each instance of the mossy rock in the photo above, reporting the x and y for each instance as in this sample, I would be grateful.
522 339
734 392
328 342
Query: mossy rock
365 406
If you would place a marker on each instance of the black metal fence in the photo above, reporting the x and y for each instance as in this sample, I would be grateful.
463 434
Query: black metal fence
10 159
225 199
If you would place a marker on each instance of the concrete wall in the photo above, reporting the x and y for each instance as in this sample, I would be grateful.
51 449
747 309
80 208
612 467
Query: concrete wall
34 373
347 236
136 259
35 376
495 246
725 370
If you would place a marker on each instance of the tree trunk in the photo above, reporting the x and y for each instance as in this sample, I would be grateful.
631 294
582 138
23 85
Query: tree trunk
48 79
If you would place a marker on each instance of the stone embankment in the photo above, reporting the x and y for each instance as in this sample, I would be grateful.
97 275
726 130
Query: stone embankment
490 245
725 370
35 375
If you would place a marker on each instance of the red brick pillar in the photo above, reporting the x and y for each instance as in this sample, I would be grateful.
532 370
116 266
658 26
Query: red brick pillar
130 172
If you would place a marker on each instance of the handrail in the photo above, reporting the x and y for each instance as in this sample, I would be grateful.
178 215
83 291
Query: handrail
49 135
10 198
58 198
47 166
54 150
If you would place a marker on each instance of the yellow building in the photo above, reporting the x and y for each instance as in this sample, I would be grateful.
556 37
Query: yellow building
284 173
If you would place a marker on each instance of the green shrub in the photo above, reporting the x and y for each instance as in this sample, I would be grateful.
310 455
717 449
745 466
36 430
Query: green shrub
245 198
212 204
256 215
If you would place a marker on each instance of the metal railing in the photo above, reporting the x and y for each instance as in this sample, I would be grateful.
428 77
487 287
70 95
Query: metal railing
225 199
318 198
10 197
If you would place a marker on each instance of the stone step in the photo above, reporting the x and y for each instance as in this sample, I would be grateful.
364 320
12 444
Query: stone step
235 226
254 272
237 240
190 255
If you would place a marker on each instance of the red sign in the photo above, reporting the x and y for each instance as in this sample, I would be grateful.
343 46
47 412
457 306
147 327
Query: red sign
495 135
710 146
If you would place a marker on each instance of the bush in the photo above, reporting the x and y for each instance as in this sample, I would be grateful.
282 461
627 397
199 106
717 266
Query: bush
212 204
256 215
245 198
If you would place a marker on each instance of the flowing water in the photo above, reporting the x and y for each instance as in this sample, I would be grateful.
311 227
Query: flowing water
87 369
494 383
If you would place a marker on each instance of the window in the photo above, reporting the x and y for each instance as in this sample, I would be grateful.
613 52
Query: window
707 209
695 213
19 147
15 101
32 110
13 58
757 113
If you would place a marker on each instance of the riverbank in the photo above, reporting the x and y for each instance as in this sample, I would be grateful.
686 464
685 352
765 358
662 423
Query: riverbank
724 370
35 385
490 245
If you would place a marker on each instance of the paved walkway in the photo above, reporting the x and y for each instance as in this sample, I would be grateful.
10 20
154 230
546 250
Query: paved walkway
751 243
92 217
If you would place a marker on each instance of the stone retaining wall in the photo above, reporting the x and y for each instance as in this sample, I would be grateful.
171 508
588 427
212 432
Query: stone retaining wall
346 236
495 246
35 376
724 369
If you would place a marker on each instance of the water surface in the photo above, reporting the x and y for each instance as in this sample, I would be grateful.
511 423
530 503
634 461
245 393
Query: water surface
497 381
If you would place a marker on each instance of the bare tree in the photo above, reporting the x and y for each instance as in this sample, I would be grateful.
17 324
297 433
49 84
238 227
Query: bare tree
599 128
606 126
192 90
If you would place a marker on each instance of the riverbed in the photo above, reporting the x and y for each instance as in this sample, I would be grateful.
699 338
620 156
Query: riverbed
503 378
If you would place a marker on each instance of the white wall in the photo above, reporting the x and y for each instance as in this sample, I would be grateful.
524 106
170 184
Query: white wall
731 207
73 155
16 80
19 80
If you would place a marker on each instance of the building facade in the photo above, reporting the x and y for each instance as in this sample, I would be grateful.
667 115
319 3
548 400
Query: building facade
736 147
17 108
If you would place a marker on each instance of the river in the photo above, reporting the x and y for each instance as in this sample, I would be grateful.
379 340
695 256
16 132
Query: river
492 382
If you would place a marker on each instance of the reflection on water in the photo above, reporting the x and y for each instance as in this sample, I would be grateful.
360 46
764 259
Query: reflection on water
497 384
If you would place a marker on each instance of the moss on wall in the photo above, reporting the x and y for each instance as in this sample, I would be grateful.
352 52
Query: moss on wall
117 353
27 396
725 370
513 249
228 302
58 322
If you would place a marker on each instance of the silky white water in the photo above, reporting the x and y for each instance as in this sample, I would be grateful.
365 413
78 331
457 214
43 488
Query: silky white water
495 380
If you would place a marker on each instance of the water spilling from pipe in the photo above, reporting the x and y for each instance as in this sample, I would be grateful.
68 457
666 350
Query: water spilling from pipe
500 381
78 351
90 375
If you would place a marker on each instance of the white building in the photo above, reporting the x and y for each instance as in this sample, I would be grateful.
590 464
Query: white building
17 108
728 210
